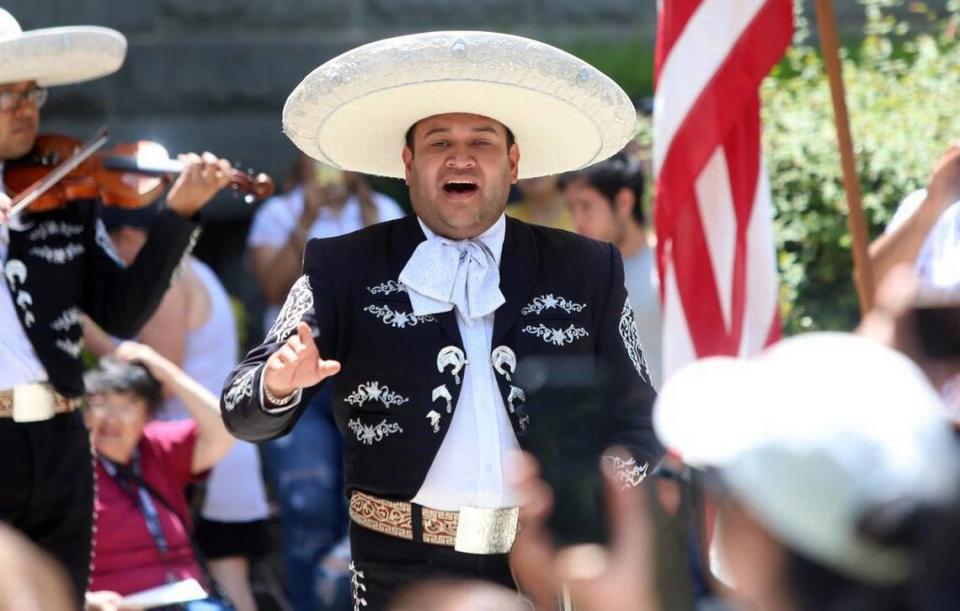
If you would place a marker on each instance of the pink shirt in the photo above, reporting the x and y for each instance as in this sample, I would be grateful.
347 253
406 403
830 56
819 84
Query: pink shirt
125 557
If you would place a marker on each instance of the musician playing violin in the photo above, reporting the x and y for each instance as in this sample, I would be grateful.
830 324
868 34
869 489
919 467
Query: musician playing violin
56 265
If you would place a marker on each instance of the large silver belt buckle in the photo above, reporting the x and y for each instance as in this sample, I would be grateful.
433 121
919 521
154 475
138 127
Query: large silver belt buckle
33 403
486 531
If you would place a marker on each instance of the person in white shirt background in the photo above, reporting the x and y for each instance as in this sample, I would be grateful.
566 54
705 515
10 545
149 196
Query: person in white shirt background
306 466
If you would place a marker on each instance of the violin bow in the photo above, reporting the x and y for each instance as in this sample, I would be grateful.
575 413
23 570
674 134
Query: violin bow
31 193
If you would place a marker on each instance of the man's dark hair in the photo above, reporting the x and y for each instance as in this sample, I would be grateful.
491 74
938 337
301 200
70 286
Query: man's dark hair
115 376
609 177
408 138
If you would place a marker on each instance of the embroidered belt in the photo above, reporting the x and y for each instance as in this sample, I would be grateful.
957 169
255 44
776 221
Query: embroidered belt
471 530
35 402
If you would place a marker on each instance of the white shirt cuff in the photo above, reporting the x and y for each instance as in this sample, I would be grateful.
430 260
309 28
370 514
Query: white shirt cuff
276 409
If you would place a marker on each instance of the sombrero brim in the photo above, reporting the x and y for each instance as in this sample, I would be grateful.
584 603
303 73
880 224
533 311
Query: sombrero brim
354 111
61 56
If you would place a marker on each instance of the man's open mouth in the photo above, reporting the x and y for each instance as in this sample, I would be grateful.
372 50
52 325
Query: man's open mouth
460 187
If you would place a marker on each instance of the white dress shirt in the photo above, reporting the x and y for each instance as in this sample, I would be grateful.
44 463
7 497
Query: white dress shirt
468 470
18 360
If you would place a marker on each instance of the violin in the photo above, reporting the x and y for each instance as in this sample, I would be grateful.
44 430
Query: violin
129 176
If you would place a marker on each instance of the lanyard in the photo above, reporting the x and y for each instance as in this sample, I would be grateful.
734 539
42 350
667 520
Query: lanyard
144 501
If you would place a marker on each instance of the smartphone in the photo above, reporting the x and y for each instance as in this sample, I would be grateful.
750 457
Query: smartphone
937 326
566 433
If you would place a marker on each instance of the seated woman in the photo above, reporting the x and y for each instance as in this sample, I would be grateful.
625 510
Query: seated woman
142 535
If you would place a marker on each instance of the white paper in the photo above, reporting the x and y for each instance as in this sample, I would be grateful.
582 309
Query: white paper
169 594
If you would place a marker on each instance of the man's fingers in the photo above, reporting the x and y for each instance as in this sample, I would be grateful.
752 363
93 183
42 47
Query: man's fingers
304 334
328 368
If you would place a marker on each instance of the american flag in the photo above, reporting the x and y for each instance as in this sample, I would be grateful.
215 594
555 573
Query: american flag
713 209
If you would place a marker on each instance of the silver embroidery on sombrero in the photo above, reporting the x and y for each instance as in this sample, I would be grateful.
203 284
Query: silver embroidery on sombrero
557 337
373 391
299 301
397 319
105 243
549 302
367 434
42 231
58 256
629 473
386 288
631 341
358 586
515 393
441 392
451 356
433 417
242 388
73 348
68 319
504 361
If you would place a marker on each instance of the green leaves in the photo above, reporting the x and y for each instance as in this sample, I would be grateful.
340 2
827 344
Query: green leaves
903 96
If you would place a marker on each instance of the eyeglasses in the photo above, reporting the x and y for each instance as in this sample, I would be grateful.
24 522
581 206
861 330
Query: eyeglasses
11 99
122 411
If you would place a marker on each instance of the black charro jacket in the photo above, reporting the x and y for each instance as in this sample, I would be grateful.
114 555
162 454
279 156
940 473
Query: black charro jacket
394 397
61 263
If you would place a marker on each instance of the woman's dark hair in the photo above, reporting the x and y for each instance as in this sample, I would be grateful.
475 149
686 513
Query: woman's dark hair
114 376
609 177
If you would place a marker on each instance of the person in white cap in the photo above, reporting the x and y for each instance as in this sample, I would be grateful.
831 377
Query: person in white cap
57 264
426 320
826 452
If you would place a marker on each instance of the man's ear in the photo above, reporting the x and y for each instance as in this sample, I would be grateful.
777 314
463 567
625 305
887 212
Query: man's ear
407 156
514 155
623 202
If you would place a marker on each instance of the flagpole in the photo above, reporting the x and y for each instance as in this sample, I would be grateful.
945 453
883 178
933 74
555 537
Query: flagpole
863 270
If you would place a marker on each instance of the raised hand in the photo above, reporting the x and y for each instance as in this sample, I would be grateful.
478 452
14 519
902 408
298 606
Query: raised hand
944 186
297 364
202 177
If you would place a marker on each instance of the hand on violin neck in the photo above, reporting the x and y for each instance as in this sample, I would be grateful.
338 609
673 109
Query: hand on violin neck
201 179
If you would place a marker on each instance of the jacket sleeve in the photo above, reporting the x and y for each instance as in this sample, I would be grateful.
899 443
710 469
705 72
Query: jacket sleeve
244 412
631 393
122 299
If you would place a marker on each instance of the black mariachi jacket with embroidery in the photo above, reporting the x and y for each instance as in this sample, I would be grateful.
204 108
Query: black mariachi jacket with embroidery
61 263
400 379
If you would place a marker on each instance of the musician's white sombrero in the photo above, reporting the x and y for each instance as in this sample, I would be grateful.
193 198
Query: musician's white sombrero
57 56
353 111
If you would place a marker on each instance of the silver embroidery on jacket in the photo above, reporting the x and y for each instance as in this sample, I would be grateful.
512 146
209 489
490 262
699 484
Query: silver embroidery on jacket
16 274
25 302
557 337
299 301
367 434
106 244
549 302
433 417
441 392
387 288
504 361
72 348
373 391
396 319
451 356
629 473
15 271
185 257
631 341
68 319
46 229
58 256
515 394
242 388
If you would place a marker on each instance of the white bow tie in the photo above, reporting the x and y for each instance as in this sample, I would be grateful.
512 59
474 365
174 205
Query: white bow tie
444 273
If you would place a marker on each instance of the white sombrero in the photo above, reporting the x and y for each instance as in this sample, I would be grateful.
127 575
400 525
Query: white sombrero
353 111
57 56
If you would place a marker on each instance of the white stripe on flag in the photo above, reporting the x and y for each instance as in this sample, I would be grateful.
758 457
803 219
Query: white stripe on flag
704 45
719 219
762 282
677 345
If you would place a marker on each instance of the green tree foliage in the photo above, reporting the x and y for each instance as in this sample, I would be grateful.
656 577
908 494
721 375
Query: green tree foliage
903 93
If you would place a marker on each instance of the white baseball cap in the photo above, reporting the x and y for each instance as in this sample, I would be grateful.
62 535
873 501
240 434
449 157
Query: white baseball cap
814 434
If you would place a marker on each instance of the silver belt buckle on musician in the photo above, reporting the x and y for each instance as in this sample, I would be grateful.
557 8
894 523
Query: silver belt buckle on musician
486 531
33 402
